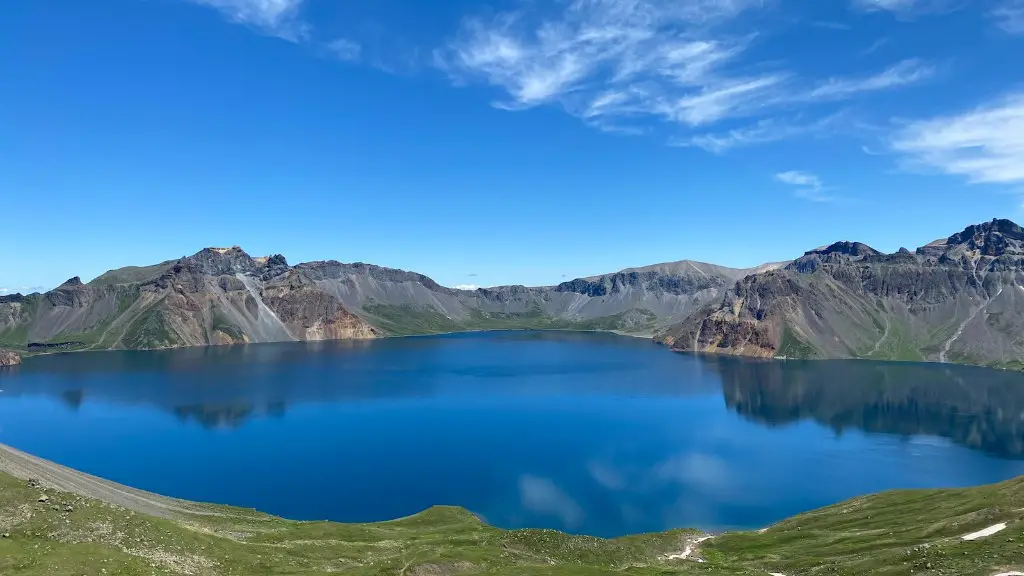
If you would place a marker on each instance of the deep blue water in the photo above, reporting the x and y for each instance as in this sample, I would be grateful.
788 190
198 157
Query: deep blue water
589 433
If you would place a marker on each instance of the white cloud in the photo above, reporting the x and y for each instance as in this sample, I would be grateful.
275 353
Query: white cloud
274 17
808 186
761 132
613 63
890 5
906 8
23 290
985 145
1010 16
906 72
344 49
798 178
466 287
543 496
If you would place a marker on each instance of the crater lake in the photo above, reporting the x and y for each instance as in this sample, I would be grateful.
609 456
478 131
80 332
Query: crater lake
583 432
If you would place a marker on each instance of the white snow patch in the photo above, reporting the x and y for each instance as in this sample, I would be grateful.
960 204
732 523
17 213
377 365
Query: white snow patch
1014 573
986 532
776 574
690 547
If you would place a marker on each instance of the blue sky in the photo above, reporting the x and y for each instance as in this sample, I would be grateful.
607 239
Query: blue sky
484 143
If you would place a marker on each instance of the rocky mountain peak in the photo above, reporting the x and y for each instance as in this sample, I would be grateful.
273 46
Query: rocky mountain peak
995 238
845 248
72 283
220 261
836 254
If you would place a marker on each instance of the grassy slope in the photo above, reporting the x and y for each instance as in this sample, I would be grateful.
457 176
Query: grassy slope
131 274
408 320
901 532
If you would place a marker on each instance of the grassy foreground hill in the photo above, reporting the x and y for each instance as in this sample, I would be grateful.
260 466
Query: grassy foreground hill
68 523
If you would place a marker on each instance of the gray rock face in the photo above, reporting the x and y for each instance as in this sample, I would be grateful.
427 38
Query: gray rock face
959 299
9 358
223 295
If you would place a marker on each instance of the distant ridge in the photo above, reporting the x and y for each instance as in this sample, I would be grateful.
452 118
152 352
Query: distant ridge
958 299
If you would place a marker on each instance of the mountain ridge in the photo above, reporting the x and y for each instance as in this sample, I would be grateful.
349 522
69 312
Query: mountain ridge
226 296
956 299
946 301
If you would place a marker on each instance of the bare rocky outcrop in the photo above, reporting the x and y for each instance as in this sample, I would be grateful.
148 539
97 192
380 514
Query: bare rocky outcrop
958 299
9 358
225 296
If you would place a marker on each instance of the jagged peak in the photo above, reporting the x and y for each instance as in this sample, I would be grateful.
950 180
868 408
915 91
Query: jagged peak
998 226
222 251
73 282
995 238
846 248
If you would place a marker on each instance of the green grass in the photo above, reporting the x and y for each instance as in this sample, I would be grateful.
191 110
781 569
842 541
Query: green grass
221 324
97 336
793 347
897 345
888 534
15 337
150 330
131 274
408 320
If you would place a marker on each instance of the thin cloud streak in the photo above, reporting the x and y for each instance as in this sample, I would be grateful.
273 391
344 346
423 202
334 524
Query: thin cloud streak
1009 16
274 17
763 131
808 186
984 145
617 63
344 49
903 73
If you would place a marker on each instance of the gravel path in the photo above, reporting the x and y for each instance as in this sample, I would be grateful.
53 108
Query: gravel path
50 474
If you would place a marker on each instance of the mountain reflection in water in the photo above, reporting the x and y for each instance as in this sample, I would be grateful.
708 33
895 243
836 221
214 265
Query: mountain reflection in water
590 433
978 408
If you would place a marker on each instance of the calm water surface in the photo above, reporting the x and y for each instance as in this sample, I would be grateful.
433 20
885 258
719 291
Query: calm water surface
588 433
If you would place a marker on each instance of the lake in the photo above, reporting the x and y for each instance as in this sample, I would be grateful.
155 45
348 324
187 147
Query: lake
590 433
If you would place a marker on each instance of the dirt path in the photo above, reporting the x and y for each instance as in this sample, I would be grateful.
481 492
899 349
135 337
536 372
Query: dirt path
25 466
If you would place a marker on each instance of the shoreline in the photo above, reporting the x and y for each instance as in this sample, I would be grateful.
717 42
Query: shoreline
26 355
47 511
639 336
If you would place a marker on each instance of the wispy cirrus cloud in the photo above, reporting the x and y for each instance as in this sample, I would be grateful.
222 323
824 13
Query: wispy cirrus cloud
275 17
906 8
984 145
909 71
763 131
618 63
807 186
4 291
345 49
1009 15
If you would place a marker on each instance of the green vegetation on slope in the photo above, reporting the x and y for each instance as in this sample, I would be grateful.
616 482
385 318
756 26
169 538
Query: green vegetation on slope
893 533
150 330
793 346
100 335
408 320
131 274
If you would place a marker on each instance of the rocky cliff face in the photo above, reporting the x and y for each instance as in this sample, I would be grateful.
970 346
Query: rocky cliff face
217 296
639 301
224 296
960 299
8 358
